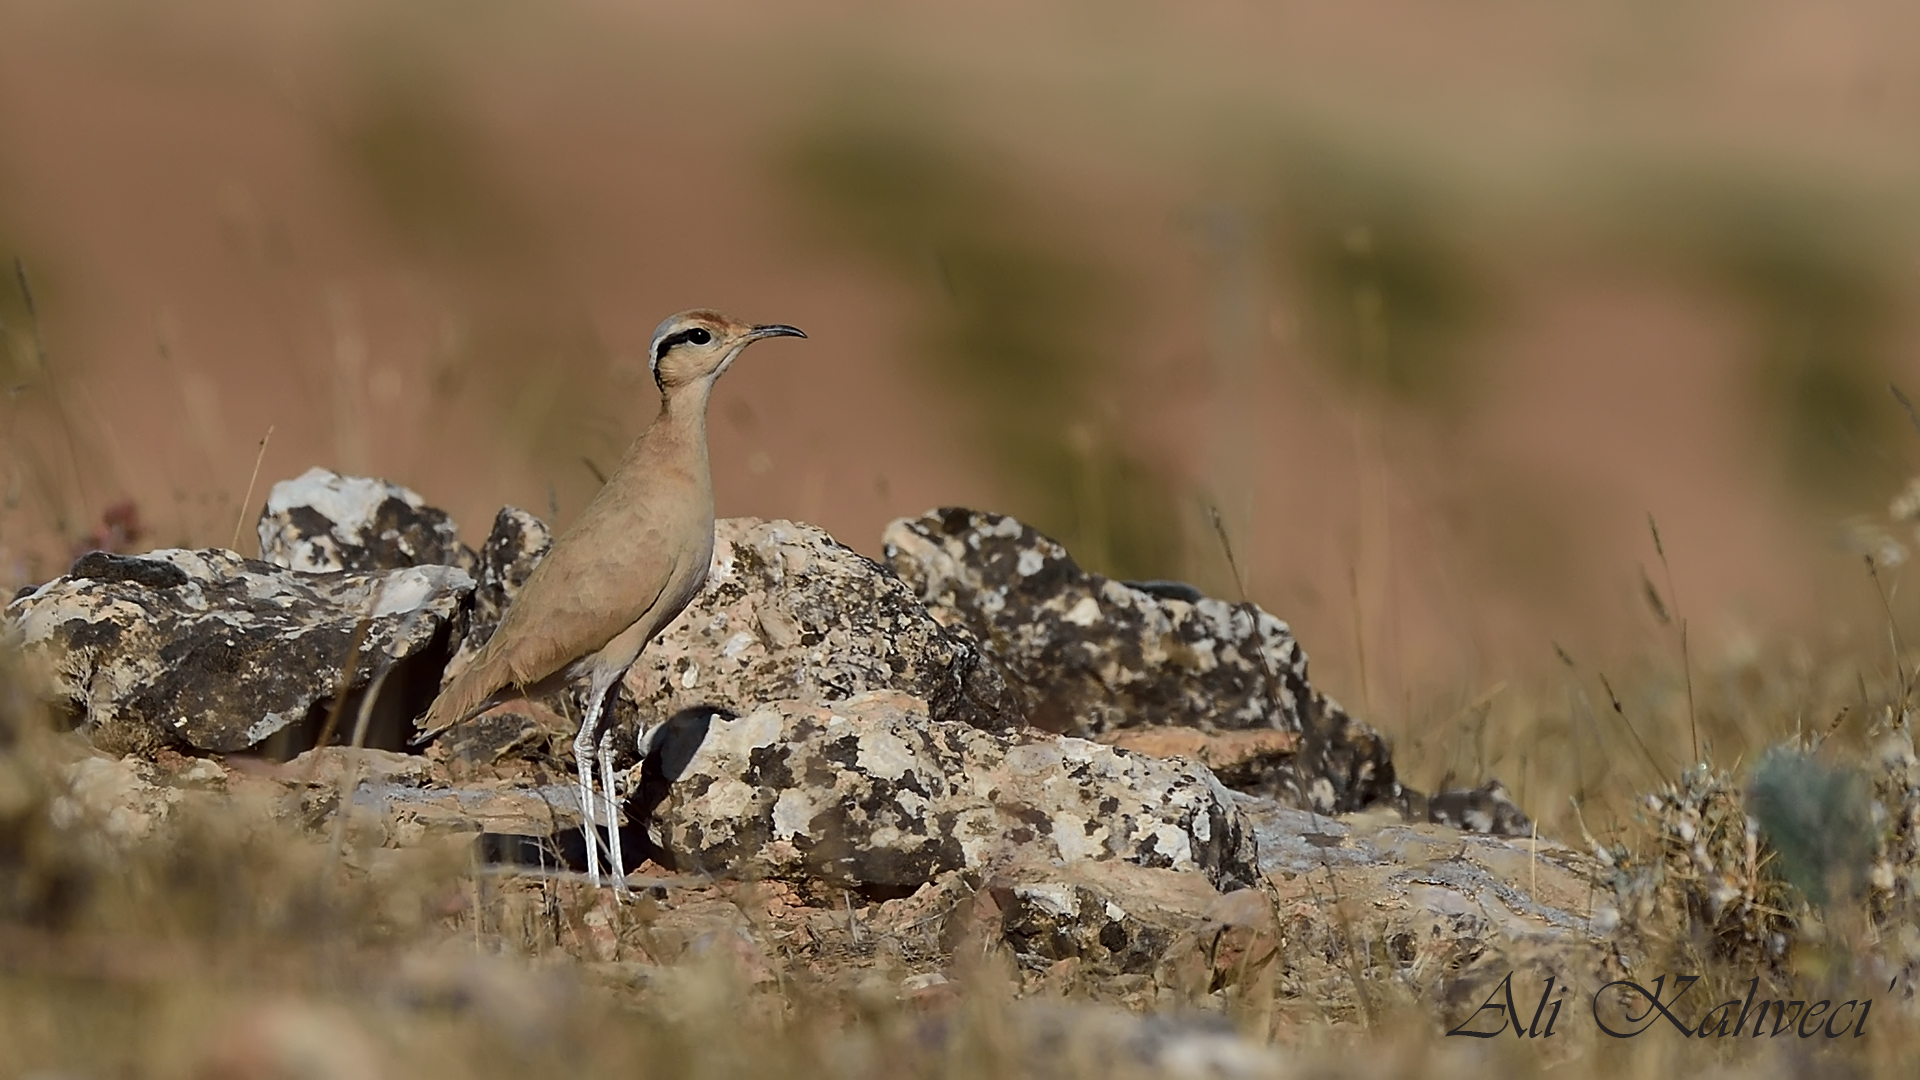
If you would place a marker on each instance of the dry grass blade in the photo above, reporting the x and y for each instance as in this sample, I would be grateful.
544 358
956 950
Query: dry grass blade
53 387
247 501
1652 596
1893 632
1620 711
1907 404
1686 653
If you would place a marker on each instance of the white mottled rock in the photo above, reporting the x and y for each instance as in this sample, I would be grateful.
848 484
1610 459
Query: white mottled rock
209 650
872 793
322 521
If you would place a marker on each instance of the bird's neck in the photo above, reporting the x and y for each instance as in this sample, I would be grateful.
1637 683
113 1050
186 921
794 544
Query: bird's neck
684 408
679 432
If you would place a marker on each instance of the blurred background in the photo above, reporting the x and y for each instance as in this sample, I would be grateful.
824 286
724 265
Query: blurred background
1439 306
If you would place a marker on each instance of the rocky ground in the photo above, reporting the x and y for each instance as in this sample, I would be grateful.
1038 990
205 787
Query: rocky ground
1127 792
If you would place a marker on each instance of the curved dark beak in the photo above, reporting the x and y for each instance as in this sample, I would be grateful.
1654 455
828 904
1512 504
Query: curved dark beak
775 330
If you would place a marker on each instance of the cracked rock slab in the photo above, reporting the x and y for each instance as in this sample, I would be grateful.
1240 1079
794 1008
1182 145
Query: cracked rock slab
1524 889
873 794
211 651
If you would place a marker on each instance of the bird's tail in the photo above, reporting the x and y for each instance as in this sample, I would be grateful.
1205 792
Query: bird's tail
472 691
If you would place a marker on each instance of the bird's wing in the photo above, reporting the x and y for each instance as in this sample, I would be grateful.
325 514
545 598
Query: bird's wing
596 582
579 598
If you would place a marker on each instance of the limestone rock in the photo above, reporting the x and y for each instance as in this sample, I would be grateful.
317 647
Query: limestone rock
1090 655
112 796
788 613
209 650
1425 907
872 793
322 521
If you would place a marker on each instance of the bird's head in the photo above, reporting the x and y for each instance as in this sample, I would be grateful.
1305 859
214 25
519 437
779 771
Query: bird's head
697 346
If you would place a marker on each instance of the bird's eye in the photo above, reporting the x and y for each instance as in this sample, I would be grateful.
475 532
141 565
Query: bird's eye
699 336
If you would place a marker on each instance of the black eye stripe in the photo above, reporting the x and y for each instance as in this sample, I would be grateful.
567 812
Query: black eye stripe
699 335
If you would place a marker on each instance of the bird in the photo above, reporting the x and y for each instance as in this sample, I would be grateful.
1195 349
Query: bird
633 559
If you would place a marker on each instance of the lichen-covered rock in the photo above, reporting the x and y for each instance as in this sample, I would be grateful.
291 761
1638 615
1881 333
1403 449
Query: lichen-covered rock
1158 666
1508 884
872 793
789 613
209 650
322 521
1090 655
515 546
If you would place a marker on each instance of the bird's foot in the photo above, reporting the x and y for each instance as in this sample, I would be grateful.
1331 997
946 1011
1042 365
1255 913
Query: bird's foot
583 762
611 791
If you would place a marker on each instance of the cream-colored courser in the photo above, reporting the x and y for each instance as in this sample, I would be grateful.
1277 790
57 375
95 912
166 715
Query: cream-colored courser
635 557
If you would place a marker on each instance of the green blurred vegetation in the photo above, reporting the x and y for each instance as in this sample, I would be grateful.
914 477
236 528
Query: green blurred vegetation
427 169
1390 294
1389 279
1811 269
1012 313
1819 819
1818 289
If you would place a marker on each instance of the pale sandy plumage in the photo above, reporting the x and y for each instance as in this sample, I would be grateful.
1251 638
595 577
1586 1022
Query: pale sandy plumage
633 559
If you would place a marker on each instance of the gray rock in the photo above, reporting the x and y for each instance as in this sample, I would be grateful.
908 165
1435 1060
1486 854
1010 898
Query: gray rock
1526 888
1442 914
788 613
872 793
322 521
209 650
1091 655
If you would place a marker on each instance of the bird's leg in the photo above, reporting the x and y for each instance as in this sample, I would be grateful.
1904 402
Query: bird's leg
617 864
583 750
